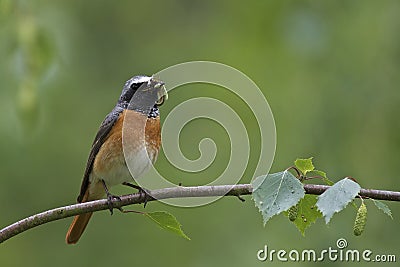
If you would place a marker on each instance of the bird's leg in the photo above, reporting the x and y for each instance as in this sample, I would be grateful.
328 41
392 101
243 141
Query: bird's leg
110 197
143 194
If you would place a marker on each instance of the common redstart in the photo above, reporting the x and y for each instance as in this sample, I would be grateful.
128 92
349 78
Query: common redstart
130 132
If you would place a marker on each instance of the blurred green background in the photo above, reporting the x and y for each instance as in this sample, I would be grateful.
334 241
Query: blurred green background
329 69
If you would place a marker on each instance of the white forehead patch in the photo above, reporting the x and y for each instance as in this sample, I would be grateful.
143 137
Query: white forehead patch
141 79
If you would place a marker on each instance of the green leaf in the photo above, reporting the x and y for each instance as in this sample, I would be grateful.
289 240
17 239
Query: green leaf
323 175
277 192
337 197
319 173
167 221
304 165
307 213
328 181
383 207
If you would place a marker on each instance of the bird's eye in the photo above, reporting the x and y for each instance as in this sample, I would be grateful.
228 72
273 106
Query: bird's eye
160 101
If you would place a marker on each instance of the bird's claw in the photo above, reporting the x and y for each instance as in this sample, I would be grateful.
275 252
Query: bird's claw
142 192
110 199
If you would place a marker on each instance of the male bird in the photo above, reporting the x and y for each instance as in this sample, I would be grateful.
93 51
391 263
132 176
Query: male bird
130 132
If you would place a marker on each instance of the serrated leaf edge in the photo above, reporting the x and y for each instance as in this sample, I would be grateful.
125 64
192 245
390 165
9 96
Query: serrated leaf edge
306 171
263 177
327 220
389 213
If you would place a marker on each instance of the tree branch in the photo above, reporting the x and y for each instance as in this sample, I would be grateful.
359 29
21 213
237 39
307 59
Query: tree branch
175 192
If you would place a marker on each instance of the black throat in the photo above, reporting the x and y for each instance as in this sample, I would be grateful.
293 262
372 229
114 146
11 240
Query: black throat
152 112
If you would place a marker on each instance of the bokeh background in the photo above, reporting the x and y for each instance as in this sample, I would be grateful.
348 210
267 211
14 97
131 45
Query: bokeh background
329 69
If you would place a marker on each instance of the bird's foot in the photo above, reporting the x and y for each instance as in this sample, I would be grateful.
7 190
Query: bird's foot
110 197
142 192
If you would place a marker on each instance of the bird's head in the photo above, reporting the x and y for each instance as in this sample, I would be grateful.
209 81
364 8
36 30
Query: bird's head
143 94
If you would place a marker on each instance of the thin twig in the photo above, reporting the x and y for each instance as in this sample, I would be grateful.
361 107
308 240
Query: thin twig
175 192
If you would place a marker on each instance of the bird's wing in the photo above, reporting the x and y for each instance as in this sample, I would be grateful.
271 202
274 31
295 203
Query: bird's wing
101 136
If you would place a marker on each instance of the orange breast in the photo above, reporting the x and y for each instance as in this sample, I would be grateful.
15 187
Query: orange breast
132 135
140 131
153 137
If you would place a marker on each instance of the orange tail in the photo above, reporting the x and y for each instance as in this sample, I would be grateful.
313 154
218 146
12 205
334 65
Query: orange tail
79 224
77 227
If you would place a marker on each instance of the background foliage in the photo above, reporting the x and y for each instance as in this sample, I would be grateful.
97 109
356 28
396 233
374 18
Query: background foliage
329 69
